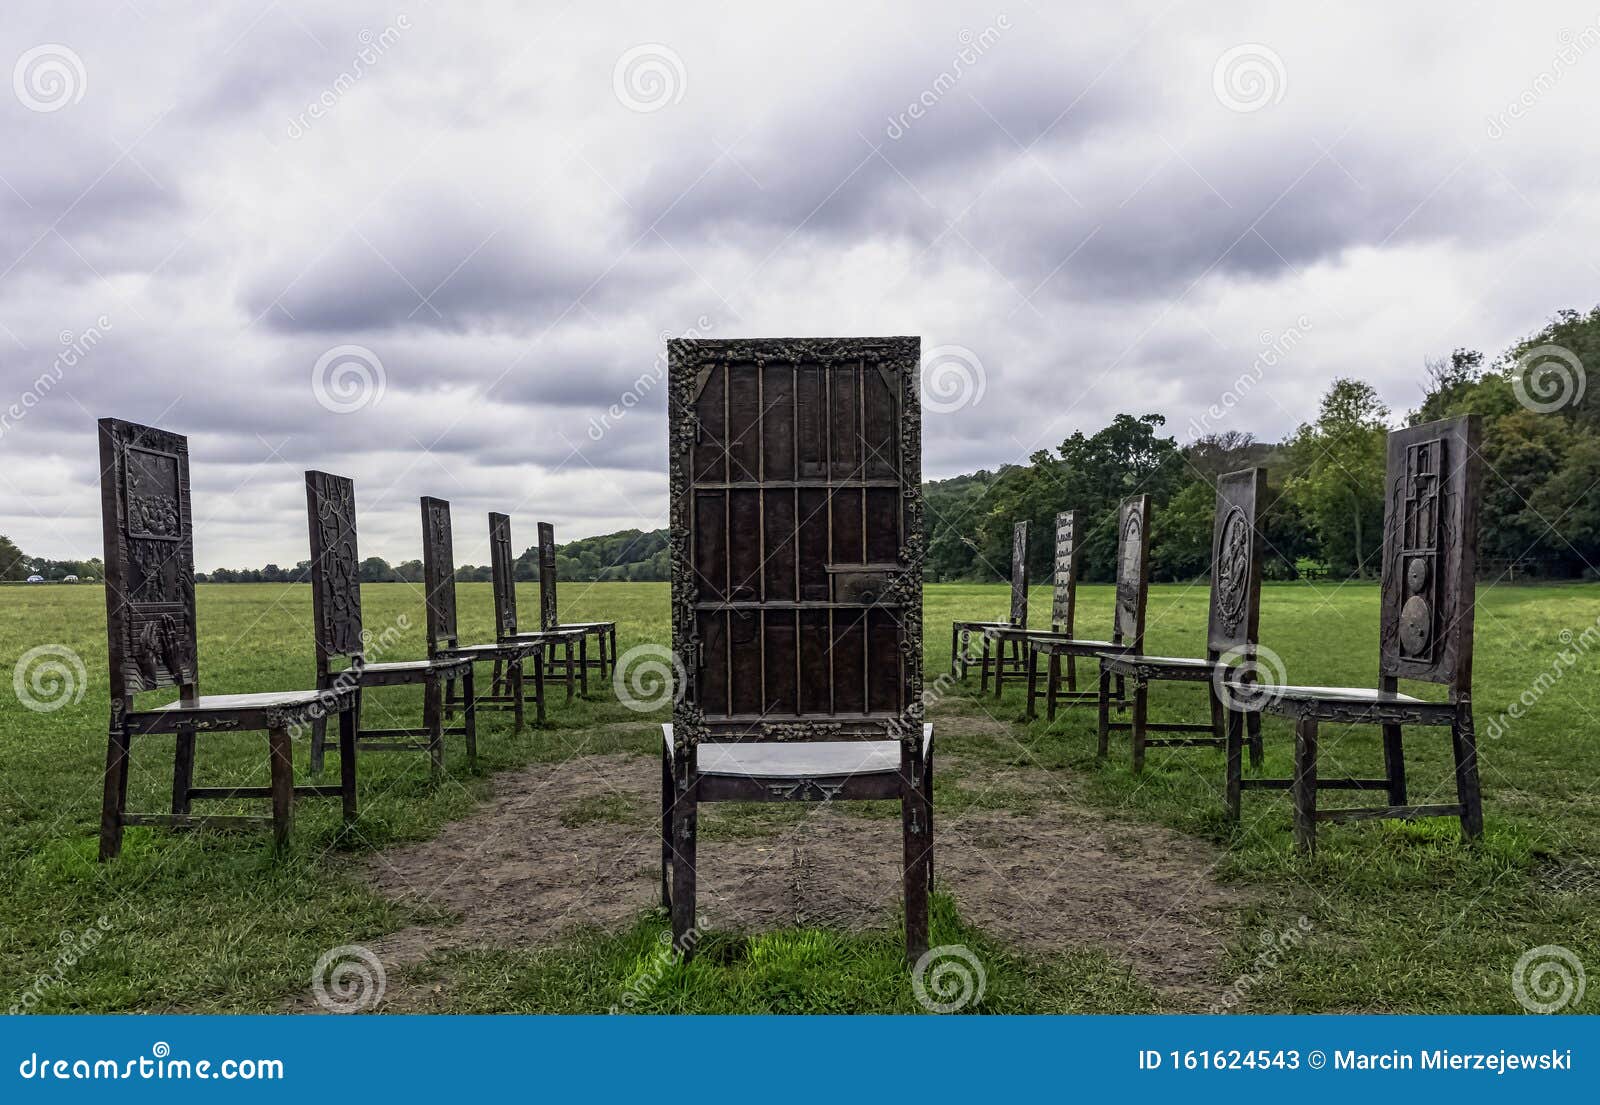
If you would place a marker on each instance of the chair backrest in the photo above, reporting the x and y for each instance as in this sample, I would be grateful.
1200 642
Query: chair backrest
335 569
1235 622
1430 545
502 573
549 618
798 538
1019 574
1064 595
149 558
439 573
1133 571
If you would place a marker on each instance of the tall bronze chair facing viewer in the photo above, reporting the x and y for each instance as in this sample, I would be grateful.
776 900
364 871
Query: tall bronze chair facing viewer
336 621
1430 543
604 633
1127 625
1231 632
961 632
439 586
797 552
502 573
150 636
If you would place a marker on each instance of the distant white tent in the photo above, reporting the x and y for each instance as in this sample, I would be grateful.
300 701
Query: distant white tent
36 579
69 579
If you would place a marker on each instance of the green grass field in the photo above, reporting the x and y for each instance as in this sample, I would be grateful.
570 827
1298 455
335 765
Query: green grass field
1398 917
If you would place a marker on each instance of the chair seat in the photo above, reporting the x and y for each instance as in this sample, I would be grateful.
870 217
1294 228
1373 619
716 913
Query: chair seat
584 627
799 759
491 649
1360 695
535 636
1046 640
261 700
984 625
402 665
1198 663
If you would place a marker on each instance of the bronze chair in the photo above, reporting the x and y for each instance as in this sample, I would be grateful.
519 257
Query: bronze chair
1231 634
1127 624
336 622
503 576
604 633
961 631
797 551
1430 543
439 584
150 636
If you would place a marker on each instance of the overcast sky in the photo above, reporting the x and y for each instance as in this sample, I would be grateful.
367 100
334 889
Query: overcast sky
428 245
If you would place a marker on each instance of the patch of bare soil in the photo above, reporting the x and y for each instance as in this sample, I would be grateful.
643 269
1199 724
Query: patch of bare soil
560 846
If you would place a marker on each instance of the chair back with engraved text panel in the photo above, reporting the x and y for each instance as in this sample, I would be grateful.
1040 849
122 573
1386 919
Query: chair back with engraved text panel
1234 623
1019 575
548 615
1064 574
1133 571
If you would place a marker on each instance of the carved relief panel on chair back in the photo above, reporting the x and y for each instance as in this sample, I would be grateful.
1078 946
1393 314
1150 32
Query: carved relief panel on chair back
335 565
1019 574
1064 593
1235 618
1430 538
1133 570
502 574
438 571
548 617
149 557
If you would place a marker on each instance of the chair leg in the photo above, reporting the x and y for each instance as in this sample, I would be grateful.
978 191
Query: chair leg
571 681
1000 666
115 802
469 713
431 721
1304 789
183 771
914 830
955 638
1234 741
685 828
1052 686
497 684
927 792
666 827
1394 763
1072 673
319 740
1033 683
966 650
349 726
1219 724
281 752
1122 695
1104 704
1253 722
583 665
612 662
1141 718
538 687
983 667
1464 741
450 699
515 674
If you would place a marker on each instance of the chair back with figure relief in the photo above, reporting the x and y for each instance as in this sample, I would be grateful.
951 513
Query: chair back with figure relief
1234 623
1133 572
438 574
335 573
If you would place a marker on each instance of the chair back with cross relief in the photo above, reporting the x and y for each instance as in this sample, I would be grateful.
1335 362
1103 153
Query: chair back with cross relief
502 573
149 560
335 572
1064 582
1019 575
548 615
1133 572
439 574
1430 545
1234 625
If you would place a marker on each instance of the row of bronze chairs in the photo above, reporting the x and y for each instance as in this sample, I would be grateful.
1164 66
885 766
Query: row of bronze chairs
151 633
1426 616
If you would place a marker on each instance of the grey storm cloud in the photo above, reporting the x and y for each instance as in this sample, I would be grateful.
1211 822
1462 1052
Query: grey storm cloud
471 198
